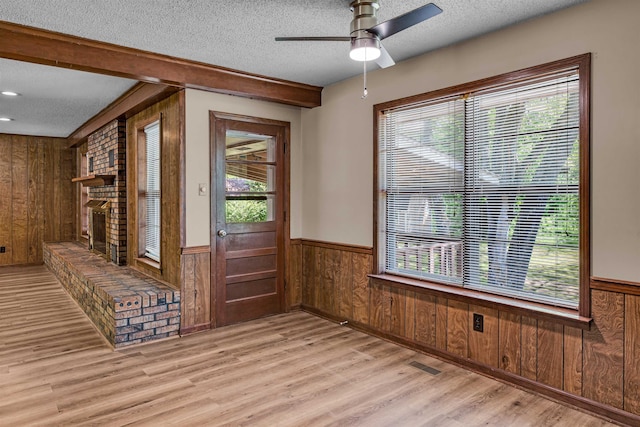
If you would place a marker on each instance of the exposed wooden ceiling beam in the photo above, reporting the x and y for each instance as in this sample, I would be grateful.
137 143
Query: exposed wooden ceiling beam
136 99
61 50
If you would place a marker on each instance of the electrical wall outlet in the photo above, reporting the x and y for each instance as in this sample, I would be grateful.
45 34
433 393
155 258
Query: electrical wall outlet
3 249
478 322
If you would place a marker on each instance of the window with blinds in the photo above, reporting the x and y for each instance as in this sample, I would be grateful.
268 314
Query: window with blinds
482 190
152 192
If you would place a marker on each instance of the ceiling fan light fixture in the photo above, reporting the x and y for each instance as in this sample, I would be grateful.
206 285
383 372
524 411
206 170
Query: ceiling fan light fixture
367 49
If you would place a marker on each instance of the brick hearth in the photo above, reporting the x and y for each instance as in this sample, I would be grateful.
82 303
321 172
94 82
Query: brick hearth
125 305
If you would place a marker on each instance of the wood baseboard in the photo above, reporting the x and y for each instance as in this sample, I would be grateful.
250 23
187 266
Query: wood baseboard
187 330
583 404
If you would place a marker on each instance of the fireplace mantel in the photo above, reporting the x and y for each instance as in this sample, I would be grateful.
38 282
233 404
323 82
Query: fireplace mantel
94 180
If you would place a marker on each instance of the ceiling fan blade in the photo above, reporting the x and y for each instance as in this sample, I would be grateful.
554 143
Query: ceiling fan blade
402 22
313 39
385 60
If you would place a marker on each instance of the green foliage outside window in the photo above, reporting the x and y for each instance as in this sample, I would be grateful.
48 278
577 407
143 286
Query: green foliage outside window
241 210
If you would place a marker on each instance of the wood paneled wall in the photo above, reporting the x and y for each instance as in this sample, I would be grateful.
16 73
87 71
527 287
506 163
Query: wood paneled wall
195 291
36 196
171 111
293 287
599 364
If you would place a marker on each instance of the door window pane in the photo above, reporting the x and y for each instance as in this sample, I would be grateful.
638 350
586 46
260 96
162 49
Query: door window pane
250 209
250 178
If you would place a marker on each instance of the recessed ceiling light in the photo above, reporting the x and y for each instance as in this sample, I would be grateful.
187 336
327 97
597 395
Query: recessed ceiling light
5 119
9 93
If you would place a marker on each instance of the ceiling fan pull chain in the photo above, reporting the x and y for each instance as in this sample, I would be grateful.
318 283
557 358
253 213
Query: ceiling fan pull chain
364 65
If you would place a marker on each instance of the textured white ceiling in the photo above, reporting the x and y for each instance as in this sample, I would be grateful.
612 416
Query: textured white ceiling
53 101
240 34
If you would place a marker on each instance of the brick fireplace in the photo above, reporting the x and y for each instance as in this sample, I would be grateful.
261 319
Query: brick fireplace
106 158
127 306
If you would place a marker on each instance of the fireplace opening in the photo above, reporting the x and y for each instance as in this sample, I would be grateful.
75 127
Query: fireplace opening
99 222
98 212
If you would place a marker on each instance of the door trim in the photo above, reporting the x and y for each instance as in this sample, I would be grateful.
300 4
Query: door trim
214 118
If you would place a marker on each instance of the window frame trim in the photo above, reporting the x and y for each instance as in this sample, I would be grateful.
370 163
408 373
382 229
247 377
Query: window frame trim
583 65
141 172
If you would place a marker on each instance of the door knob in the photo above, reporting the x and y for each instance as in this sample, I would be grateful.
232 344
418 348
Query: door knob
222 233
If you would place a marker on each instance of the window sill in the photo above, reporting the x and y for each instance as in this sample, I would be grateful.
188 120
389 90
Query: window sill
511 305
149 264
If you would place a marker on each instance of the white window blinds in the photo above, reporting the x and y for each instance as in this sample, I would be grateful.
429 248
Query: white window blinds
422 167
482 190
152 194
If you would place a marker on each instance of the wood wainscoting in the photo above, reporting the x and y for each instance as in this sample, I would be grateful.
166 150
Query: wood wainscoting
36 196
594 369
195 277
293 282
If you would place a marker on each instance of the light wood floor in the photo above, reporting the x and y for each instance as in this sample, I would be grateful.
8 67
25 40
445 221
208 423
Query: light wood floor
288 370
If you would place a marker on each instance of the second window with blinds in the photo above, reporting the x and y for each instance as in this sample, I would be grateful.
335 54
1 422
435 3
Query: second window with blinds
486 187
149 191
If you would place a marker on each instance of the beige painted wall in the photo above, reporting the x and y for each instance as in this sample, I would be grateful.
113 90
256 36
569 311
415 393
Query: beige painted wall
198 105
338 137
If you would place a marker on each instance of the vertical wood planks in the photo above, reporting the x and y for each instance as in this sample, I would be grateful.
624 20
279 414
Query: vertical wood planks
187 292
195 277
49 199
53 228
202 275
19 193
318 264
67 193
529 348
335 281
361 267
410 315
5 198
308 275
483 346
550 363
34 199
295 276
36 196
330 270
397 311
441 323
458 328
603 347
509 342
572 360
632 355
377 312
172 122
425 332
41 188
344 286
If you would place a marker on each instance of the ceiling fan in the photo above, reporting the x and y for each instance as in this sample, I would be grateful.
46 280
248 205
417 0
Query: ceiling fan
366 33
